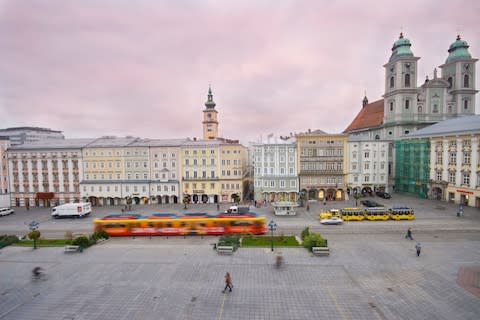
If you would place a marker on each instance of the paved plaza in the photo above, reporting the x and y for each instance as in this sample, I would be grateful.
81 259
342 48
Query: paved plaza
371 273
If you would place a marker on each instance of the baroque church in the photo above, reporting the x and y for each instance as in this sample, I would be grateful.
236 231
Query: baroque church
406 106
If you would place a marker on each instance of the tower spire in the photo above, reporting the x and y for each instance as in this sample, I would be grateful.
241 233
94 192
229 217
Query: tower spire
210 122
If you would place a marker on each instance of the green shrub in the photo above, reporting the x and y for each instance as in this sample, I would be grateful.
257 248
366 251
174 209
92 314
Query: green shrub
6 240
230 240
81 241
314 240
102 234
305 233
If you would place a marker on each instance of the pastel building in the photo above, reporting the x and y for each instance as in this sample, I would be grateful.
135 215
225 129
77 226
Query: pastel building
275 169
4 144
232 170
46 173
367 166
453 166
21 135
165 164
322 165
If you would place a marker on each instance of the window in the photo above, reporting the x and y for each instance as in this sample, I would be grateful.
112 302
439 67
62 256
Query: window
452 158
366 178
392 82
407 104
435 108
439 176
466 158
465 104
391 106
450 82
367 154
466 83
466 178
419 109
451 177
407 80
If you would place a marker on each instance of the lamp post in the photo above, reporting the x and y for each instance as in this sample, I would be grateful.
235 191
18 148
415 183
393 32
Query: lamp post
272 226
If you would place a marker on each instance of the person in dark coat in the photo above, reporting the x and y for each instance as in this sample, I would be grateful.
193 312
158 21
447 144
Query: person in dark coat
409 234
418 247
228 282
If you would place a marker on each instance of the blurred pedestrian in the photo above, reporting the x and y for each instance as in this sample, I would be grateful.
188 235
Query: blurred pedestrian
228 282
409 234
418 247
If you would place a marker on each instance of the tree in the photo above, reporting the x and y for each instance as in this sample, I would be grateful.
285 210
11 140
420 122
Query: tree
356 195
34 235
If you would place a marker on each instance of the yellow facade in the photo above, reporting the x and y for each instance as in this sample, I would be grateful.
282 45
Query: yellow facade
322 165
232 170
199 171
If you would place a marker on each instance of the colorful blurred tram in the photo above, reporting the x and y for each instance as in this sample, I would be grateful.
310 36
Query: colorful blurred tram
171 224
372 214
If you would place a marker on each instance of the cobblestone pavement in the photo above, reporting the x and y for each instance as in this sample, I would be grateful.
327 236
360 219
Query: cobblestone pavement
365 277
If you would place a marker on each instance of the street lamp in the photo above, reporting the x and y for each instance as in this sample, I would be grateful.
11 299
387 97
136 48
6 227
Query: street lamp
272 226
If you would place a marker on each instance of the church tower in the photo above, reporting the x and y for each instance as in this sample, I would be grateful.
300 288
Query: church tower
210 122
400 96
459 71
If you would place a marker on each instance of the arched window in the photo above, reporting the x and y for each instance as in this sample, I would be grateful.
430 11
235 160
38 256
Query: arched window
450 82
391 106
407 80
465 104
377 137
392 82
465 81
407 104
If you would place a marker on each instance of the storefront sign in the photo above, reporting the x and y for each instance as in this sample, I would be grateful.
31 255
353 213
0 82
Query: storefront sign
198 191
464 191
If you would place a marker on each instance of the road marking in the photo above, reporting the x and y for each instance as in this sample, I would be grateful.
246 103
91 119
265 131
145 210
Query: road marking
336 304
220 313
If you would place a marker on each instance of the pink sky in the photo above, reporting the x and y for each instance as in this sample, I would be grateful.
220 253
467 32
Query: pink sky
142 68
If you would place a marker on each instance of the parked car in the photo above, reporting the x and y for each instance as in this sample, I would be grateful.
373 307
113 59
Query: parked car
371 203
384 195
6 211
332 220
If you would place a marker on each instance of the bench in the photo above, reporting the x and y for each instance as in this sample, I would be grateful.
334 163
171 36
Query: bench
225 249
321 251
71 248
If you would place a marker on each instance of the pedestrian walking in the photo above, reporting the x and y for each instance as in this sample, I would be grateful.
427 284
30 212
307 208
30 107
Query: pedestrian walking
228 282
409 234
418 247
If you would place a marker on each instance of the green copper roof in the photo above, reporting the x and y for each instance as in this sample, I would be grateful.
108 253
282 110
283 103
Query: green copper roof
401 48
458 50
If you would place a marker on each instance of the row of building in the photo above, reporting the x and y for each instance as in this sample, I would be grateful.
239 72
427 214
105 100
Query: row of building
417 139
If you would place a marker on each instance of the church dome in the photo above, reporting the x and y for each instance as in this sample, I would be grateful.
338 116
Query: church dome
458 50
401 48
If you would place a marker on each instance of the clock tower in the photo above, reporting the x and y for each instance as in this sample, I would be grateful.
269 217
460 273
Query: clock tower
210 122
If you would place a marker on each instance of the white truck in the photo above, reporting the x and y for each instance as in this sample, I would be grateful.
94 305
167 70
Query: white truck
72 210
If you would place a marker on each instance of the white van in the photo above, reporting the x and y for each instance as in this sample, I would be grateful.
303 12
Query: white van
80 210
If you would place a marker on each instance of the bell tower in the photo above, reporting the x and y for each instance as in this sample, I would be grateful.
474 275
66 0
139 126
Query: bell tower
210 122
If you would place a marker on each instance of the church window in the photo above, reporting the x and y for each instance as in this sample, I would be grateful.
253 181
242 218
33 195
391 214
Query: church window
407 80
449 109
450 82
465 104
392 82
466 83
419 109
435 108
407 104
391 106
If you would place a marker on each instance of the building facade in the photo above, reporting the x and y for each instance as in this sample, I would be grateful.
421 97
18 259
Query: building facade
367 166
322 165
232 170
275 170
453 160
21 135
4 145
45 173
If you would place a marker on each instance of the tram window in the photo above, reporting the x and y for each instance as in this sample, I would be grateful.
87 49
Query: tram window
241 223
151 224
168 224
114 225
202 224
183 224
